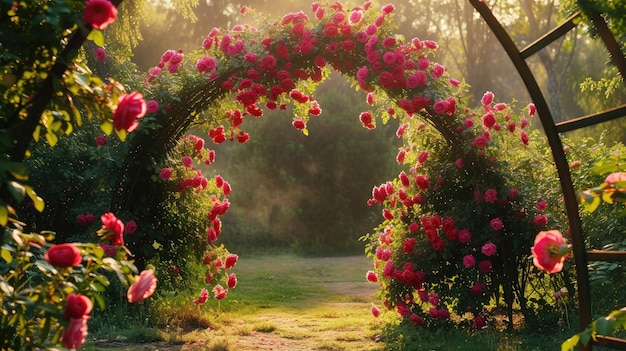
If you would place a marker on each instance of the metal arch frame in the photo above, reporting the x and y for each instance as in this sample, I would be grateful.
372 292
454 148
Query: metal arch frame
552 130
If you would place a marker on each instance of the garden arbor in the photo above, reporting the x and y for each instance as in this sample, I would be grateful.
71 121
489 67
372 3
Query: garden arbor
552 130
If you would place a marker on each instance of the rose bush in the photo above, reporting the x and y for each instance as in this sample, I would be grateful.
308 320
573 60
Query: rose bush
48 290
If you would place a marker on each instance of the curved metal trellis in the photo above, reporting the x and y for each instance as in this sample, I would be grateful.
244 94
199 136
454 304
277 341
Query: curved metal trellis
581 255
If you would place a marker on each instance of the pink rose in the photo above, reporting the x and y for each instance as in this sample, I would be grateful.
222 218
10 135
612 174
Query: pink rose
615 177
129 108
99 13
143 287
152 106
75 334
130 227
115 228
63 255
165 174
101 140
77 306
469 261
100 54
489 249
549 251
480 141
496 224
540 220
109 250
465 236
487 98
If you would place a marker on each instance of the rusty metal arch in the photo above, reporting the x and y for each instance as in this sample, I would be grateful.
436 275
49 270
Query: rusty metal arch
581 255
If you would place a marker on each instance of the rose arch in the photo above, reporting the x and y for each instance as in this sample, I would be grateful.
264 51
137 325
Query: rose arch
456 228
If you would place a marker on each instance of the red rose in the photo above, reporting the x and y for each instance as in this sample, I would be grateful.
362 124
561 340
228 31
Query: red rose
129 108
143 288
77 306
99 13
485 266
478 322
231 261
63 255
232 281
76 333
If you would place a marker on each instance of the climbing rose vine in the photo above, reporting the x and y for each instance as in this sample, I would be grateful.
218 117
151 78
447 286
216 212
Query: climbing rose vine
456 228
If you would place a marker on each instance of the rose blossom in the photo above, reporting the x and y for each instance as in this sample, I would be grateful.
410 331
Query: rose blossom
372 277
219 292
143 287
464 236
129 108
75 334
485 266
540 220
99 13
101 140
130 227
115 228
204 296
166 173
63 255
231 261
100 54
496 224
375 311
77 305
232 281
615 177
478 322
152 106
489 249
549 251
469 261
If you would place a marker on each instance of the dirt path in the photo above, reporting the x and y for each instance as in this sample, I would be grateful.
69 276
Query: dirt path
335 318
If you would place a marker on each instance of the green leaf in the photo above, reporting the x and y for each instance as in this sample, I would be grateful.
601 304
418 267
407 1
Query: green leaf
97 37
107 127
52 138
121 134
37 201
569 344
593 205
100 300
585 337
6 255
605 325
17 190
4 215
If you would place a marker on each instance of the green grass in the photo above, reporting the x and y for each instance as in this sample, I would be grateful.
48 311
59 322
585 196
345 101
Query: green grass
319 302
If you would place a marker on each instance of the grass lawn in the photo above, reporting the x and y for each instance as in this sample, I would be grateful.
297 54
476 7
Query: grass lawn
292 303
